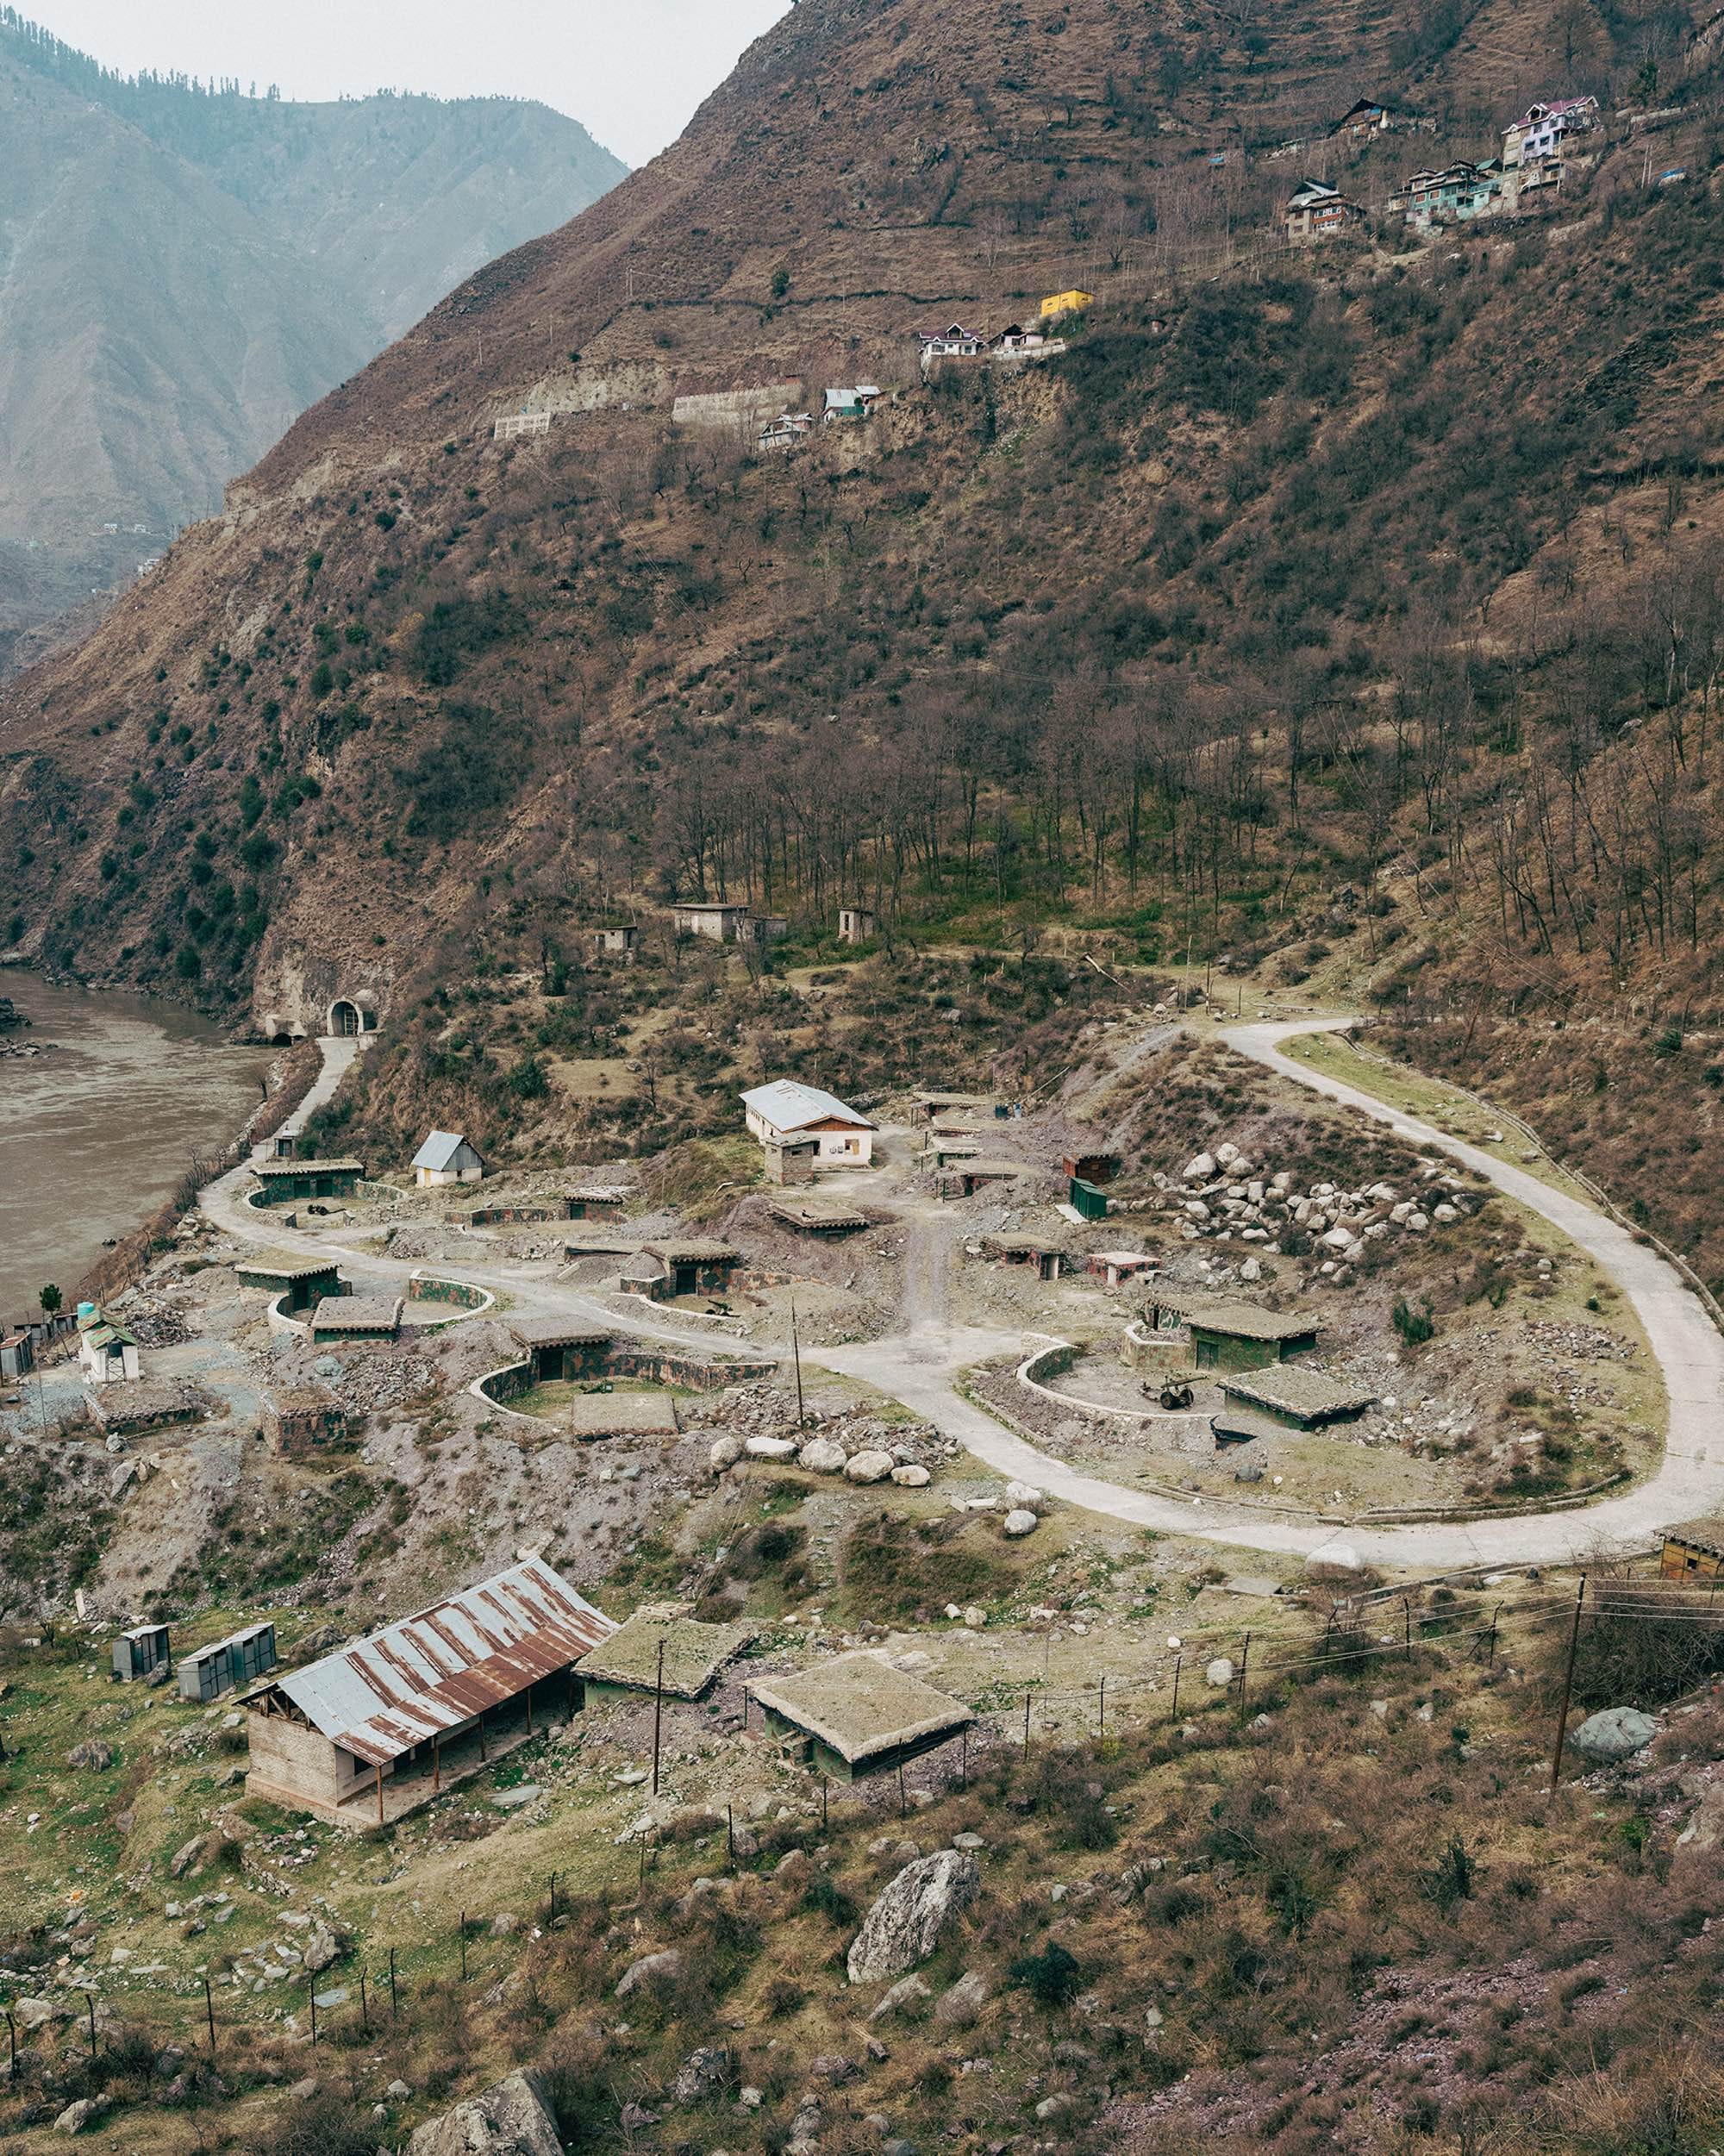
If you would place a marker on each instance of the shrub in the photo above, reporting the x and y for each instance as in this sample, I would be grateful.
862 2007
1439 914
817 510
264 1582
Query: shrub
1414 1326
1053 1977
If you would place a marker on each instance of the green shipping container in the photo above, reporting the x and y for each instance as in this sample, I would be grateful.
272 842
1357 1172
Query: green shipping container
1090 1202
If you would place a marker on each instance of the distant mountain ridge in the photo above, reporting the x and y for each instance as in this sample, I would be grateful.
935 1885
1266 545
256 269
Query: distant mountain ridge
184 270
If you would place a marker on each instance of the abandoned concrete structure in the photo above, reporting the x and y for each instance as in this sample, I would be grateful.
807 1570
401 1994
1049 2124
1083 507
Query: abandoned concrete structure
378 1729
1230 1335
304 1421
562 1348
855 923
621 942
356 1318
856 1715
301 1281
1297 1396
629 1660
285 1181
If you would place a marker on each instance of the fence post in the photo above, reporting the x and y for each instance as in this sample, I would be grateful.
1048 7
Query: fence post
90 1999
311 1986
1173 1712
394 2013
210 2011
12 2039
1026 1734
1244 1661
365 2006
463 1946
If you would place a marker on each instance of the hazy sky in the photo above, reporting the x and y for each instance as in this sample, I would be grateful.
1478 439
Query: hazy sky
630 70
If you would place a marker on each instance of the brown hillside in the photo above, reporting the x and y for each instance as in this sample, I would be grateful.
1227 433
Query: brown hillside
414 703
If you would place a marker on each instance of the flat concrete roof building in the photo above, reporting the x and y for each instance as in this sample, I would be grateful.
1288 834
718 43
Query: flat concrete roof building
1295 1395
356 1318
694 1654
857 1714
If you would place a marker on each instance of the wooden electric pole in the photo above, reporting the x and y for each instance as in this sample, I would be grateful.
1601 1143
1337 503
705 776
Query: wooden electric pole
1568 1687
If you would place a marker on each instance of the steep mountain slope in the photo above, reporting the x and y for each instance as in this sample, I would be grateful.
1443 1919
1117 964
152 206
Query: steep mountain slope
1292 573
183 272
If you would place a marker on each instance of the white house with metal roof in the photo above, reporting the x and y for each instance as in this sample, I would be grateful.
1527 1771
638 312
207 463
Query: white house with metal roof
789 1113
456 1677
107 1352
446 1157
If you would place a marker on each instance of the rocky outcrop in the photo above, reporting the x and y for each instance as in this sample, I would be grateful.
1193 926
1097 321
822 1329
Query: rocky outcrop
905 1926
1615 1733
514 2118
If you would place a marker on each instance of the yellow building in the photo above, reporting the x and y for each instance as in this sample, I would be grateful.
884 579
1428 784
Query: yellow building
1065 303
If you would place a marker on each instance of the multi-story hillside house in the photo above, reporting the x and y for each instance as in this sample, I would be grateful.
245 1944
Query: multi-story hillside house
1544 130
1455 194
1318 211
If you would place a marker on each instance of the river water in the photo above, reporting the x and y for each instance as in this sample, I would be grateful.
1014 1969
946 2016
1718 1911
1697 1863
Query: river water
96 1132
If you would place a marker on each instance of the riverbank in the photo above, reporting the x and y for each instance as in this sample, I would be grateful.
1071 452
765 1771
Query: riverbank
100 1127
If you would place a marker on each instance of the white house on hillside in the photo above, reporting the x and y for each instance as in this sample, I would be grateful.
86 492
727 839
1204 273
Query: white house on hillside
789 1113
446 1157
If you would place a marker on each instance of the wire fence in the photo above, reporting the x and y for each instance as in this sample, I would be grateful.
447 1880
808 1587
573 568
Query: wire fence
379 1986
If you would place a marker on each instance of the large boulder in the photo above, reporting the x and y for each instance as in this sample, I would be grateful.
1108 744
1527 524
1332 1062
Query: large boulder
1337 1562
1200 1168
725 1452
771 1448
652 1970
821 1456
1616 1733
869 1466
514 2118
93 1754
905 1925
1020 1522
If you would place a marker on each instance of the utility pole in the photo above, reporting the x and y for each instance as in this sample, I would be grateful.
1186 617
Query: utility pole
658 1714
796 1353
209 2013
1173 1714
1026 1734
1568 1687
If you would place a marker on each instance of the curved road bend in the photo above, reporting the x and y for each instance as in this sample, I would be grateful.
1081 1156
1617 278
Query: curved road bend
918 1369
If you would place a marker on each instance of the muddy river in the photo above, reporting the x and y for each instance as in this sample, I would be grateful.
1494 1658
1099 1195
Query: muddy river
96 1129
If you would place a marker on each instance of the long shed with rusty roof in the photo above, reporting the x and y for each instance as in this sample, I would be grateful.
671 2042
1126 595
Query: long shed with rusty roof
327 1738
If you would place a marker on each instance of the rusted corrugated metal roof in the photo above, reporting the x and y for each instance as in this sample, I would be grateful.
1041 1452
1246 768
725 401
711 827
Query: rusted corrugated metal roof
434 1671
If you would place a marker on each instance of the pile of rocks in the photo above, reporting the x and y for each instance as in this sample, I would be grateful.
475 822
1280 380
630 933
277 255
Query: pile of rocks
898 1459
1224 1197
761 1424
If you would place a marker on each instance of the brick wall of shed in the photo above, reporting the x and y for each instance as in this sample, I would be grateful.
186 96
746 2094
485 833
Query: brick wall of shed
289 1764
